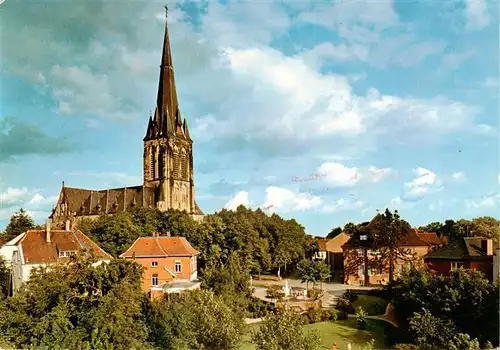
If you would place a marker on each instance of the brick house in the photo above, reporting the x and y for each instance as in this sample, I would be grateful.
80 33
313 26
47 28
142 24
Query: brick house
468 252
413 247
37 248
170 264
330 250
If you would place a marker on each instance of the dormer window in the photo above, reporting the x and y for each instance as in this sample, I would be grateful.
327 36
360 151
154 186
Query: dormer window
66 254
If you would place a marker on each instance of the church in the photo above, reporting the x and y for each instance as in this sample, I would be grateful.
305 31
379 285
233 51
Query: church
167 162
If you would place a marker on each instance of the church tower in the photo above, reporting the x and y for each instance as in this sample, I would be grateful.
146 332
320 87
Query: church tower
168 147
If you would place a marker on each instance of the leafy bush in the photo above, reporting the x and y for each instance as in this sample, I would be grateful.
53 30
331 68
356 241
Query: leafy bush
275 292
360 318
351 296
345 305
258 308
342 315
372 305
314 316
315 293
405 347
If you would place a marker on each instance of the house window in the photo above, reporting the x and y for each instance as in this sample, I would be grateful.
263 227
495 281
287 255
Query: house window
154 280
400 269
178 267
361 270
65 254
192 265
154 263
455 265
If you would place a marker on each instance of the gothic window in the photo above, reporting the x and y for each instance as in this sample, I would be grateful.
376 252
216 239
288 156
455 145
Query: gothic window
152 161
176 164
184 165
161 163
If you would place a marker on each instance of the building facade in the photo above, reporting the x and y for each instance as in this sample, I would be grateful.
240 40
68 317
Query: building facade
167 163
39 248
474 253
170 264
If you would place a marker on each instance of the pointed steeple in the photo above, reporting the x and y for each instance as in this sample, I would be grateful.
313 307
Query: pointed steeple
186 129
167 102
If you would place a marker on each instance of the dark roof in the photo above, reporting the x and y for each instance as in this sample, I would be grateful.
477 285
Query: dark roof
160 246
91 202
467 248
37 250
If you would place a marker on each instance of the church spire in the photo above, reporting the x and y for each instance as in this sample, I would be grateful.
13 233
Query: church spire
167 103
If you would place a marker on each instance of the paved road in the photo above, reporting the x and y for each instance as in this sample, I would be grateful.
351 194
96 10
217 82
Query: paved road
329 287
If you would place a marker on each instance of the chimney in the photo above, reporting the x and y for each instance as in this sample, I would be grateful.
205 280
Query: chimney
68 225
47 231
487 246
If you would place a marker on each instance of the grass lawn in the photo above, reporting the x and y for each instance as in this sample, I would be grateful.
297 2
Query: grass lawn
339 332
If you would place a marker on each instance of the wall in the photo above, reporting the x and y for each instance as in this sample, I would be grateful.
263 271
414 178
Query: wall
443 266
186 274
6 252
376 277
496 266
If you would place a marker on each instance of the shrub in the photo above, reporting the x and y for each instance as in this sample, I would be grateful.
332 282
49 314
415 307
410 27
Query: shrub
345 305
315 316
342 315
315 294
371 304
351 296
405 347
275 292
331 315
360 318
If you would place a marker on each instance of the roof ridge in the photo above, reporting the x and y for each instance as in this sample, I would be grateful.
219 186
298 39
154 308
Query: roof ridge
156 240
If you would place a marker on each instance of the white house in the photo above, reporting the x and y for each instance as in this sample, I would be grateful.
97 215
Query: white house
37 248
8 249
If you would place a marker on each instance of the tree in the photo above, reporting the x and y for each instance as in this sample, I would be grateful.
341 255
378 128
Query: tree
432 332
307 271
465 298
195 320
334 232
4 279
321 271
78 306
116 233
350 228
389 232
283 330
20 222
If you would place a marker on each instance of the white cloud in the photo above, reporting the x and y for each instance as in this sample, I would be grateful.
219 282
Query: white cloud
30 199
241 198
343 204
477 14
459 176
338 175
424 183
377 174
278 198
488 201
13 196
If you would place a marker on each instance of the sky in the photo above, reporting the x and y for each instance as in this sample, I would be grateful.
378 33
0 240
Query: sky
320 111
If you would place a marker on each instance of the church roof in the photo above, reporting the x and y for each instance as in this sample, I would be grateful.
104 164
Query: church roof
91 202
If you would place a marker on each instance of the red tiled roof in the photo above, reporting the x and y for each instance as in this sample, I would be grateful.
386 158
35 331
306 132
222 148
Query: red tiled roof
322 244
160 246
37 250
429 237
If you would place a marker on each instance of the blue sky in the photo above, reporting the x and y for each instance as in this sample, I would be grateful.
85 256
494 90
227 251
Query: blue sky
389 104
